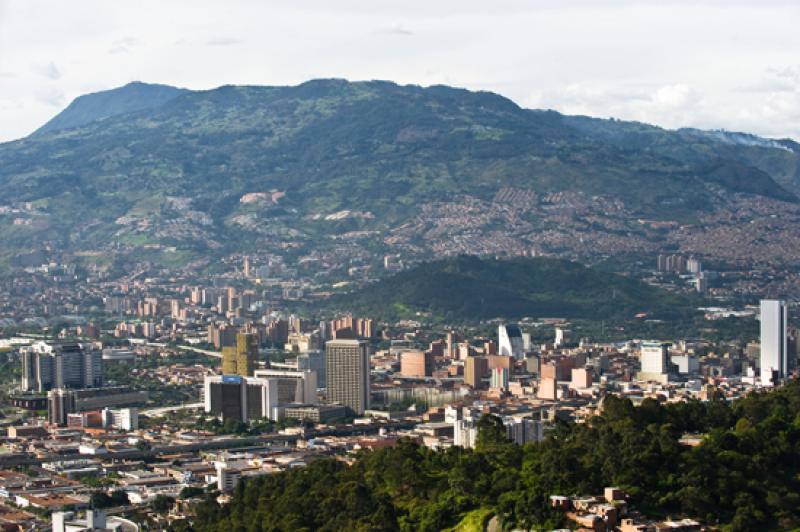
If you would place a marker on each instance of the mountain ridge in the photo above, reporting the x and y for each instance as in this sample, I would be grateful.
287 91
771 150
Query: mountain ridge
129 98
730 135
177 173
133 98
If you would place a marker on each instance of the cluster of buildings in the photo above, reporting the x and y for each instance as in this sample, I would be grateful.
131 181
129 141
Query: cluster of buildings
244 393
66 379
353 383
611 513
67 365
691 267
675 263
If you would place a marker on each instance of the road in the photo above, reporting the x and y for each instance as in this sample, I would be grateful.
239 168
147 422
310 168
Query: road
214 354
164 409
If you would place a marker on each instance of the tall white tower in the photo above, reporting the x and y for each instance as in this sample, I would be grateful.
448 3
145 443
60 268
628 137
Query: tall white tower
774 352
509 341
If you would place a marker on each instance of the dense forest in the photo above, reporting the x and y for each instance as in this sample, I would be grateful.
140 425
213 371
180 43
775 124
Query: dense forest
743 476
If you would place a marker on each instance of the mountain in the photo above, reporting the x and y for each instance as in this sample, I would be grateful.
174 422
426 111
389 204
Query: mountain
89 108
778 158
154 173
469 288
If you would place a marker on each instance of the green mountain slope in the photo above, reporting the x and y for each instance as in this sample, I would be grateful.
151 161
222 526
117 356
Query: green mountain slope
89 108
354 144
468 288
152 165
778 158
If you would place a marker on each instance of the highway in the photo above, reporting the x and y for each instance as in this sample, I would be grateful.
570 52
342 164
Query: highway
164 409
214 354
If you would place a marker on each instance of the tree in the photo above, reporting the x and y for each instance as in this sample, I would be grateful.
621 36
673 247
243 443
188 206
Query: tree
491 433
162 503
191 491
120 498
234 426
100 499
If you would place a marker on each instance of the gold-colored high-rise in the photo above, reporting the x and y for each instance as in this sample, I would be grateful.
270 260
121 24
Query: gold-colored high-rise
246 353
241 358
229 361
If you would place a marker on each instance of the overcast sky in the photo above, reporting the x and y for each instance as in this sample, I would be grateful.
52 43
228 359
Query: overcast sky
713 64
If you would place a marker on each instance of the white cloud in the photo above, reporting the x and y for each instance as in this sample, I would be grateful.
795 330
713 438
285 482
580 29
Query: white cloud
397 30
49 71
790 73
710 64
124 45
673 95
223 41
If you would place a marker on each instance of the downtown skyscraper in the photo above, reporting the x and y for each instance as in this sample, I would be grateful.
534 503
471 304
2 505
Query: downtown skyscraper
348 377
774 345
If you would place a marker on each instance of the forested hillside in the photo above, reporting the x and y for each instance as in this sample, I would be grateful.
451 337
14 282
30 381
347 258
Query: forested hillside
471 288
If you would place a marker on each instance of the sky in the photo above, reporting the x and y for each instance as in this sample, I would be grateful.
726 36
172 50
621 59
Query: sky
713 64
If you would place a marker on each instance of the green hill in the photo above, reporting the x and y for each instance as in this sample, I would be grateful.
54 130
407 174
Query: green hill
469 288
145 165
89 108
